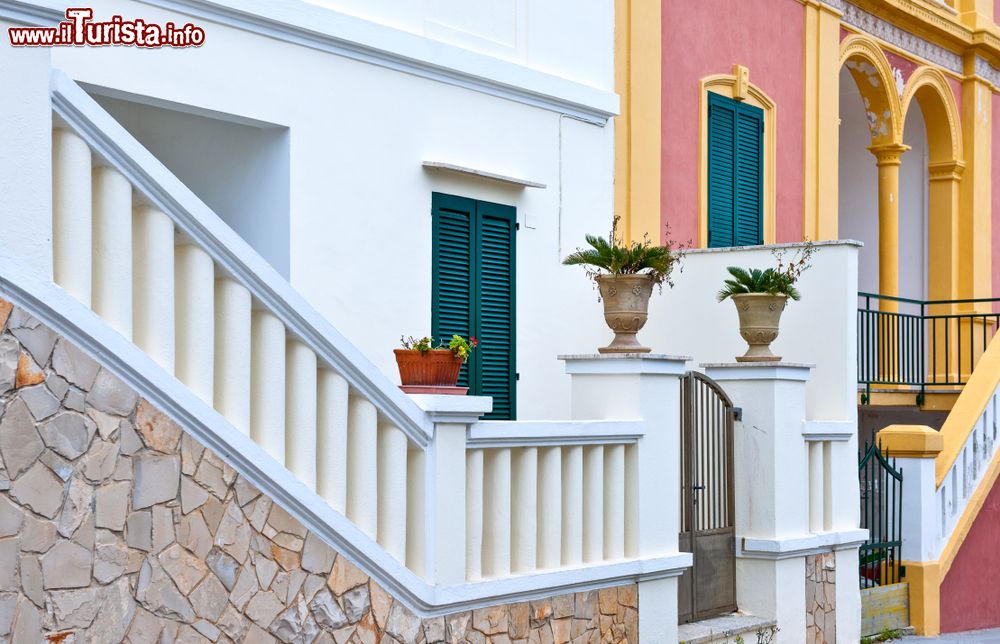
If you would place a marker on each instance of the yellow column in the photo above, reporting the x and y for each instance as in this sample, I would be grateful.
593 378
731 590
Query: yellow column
888 157
822 120
974 256
637 127
943 199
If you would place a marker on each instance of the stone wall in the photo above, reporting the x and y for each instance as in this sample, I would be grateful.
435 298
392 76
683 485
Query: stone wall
821 598
116 525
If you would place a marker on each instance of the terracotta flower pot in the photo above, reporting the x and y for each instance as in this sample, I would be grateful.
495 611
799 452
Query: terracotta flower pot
429 372
626 307
759 316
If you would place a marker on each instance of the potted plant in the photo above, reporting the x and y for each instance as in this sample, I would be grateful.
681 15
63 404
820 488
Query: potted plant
760 295
625 273
428 369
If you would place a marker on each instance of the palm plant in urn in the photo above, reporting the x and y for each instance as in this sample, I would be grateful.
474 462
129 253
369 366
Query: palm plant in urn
625 274
760 296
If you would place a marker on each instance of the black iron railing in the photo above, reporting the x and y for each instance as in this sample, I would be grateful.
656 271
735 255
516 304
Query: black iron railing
921 343
881 513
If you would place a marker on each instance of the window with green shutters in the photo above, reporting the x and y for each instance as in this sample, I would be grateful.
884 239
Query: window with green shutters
735 172
473 282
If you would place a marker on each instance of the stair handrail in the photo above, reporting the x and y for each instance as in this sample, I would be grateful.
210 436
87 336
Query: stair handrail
230 252
968 409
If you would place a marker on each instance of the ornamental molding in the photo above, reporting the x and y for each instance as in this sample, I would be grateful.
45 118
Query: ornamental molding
987 71
882 29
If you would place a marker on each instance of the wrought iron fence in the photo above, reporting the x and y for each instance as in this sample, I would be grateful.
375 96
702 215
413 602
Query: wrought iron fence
921 343
881 513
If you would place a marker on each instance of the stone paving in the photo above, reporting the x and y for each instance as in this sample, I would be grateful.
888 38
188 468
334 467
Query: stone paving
116 525
991 636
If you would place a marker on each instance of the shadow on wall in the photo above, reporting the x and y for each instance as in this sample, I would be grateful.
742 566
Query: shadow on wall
238 167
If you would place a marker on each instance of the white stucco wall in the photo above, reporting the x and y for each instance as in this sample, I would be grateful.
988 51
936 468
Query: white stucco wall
359 199
858 193
819 329
913 208
25 154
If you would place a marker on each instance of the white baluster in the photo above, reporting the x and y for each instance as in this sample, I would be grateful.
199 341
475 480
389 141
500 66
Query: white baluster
474 514
112 266
153 284
417 509
195 317
593 503
71 214
496 513
232 352
300 412
524 509
550 507
267 384
392 445
815 452
572 507
614 502
362 465
331 439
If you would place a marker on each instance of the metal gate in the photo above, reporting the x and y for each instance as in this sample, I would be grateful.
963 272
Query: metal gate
707 518
881 513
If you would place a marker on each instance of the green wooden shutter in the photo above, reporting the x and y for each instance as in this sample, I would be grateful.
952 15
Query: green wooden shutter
721 160
452 303
749 175
474 286
494 324
735 172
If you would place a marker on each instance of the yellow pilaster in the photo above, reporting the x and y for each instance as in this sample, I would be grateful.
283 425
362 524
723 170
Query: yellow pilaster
888 157
924 579
821 107
975 14
637 128
974 229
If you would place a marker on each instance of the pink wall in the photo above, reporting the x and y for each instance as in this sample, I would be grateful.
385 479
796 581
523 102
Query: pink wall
709 37
970 595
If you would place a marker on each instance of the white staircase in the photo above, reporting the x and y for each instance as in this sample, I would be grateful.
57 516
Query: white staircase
446 513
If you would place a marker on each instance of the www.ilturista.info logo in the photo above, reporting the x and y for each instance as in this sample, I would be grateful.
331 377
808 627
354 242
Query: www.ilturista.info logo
79 30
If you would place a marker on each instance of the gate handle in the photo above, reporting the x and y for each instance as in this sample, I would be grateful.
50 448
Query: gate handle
697 487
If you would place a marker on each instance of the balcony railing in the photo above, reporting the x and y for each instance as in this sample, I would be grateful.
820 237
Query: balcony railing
919 345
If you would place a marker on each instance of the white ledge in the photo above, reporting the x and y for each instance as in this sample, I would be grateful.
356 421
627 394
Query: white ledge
453 409
799 546
502 433
828 430
721 371
482 174
625 363
358 39
32 14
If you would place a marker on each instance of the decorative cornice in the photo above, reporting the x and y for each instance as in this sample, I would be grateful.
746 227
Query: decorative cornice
330 31
899 37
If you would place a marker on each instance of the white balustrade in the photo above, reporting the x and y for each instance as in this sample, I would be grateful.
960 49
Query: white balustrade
71 214
267 383
331 439
232 352
153 284
112 238
300 412
524 509
391 501
195 320
362 464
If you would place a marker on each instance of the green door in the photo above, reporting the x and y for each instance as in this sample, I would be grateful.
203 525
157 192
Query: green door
735 173
474 292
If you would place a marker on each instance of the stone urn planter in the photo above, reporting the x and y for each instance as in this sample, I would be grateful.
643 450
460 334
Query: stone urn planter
759 316
626 307
434 371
